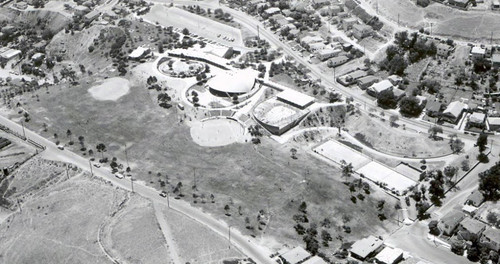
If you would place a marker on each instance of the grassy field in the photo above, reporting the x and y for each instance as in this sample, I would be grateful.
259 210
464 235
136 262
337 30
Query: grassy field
447 21
262 177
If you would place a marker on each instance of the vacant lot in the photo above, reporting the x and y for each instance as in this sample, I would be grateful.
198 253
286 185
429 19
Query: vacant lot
196 24
382 137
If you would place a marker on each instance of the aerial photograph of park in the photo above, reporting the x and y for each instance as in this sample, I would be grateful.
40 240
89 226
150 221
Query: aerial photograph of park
250 131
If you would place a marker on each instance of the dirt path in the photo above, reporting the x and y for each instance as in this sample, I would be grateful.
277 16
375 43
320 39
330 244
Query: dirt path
165 228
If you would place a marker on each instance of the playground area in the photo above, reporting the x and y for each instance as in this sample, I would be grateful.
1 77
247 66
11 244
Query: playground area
110 90
219 132
181 68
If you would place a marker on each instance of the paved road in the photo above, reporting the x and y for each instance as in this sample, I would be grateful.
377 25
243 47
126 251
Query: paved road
414 240
245 244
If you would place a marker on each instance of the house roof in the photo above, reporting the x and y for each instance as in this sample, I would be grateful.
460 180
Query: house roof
472 225
357 74
477 117
272 10
478 50
311 39
327 51
455 108
366 246
295 255
315 260
398 92
469 208
452 218
361 27
494 121
492 234
389 255
443 46
10 53
495 58
381 86
338 59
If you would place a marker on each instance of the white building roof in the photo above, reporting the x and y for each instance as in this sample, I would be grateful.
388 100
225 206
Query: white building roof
137 53
238 81
381 86
295 97
478 50
315 260
272 10
311 39
494 121
10 53
469 209
477 117
455 108
365 246
295 255
389 255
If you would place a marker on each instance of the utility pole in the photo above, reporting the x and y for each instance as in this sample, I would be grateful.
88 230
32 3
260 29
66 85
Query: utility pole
491 38
431 28
126 156
67 174
168 200
24 133
90 165
229 237
132 183
398 19
258 32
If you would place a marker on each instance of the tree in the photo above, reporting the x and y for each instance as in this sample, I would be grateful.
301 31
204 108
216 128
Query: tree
303 208
410 107
433 228
386 99
423 3
450 171
489 183
226 209
482 141
456 145
492 218
185 31
294 153
347 169
433 131
483 158
101 148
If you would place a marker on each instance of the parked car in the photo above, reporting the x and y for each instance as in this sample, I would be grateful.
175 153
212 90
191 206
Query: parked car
119 176
163 194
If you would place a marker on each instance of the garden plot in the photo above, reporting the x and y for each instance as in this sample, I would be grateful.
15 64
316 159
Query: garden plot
337 152
384 175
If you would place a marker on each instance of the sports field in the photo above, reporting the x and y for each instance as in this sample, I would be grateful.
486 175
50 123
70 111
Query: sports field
219 132
196 24
111 90
380 173
337 152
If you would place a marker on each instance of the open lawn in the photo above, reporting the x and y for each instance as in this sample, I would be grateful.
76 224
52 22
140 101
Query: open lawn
255 177
219 132
394 141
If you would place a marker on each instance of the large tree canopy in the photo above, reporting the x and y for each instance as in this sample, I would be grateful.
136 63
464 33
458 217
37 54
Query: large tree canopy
489 183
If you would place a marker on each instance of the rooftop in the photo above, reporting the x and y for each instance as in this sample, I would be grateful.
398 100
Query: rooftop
295 97
295 255
455 108
238 81
315 260
472 225
477 117
389 255
381 86
365 246
492 234
478 50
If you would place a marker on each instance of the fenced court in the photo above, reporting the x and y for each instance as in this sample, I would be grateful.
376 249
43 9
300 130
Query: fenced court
338 152
382 174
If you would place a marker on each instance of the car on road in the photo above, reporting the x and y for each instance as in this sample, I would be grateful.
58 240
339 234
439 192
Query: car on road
97 165
163 194
119 176
61 147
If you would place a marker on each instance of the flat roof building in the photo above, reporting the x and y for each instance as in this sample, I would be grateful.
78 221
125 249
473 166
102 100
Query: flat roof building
295 98
389 255
363 248
295 255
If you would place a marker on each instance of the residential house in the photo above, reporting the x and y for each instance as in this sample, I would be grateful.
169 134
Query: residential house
433 108
395 79
335 10
93 15
348 23
389 256
453 112
491 239
313 47
295 255
494 123
320 3
367 81
337 61
365 247
449 222
272 11
443 50
398 93
477 52
476 198
294 32
477 119
351 77
308 40
470 229
343 14
325 54
469 209
459 3
378 87
361 31
495 60
80 10
21 5
9 54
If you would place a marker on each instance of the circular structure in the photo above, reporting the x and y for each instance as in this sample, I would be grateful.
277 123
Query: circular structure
232 82
110 90
181 68
219 132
